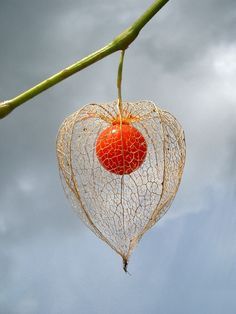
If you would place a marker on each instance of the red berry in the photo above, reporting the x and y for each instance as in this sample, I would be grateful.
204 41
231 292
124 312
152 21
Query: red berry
121 149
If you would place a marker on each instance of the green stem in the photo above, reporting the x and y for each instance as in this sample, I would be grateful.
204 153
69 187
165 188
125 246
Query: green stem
121 42
119 81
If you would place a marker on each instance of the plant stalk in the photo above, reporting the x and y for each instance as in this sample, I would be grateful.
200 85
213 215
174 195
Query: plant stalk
121 42
119 81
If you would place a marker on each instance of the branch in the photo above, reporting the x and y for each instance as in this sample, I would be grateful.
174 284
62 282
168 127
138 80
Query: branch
121 42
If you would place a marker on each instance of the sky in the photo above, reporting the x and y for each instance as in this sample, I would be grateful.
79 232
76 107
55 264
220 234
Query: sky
185 61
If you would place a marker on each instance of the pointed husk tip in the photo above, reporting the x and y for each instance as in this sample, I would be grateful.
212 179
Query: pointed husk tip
125 264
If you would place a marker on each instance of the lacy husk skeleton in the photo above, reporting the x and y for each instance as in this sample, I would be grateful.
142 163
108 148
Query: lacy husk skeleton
119 209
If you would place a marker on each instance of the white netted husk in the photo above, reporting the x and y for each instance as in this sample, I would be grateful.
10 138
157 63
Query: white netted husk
119 209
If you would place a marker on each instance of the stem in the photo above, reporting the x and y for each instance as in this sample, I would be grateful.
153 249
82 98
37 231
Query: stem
119 80
121 42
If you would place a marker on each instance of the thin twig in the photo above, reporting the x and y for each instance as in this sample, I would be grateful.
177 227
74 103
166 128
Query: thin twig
119 81
121 42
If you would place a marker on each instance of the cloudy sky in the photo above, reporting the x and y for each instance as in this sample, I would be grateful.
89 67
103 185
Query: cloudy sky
185 61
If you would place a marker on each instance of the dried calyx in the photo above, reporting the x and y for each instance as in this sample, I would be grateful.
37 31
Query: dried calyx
121 176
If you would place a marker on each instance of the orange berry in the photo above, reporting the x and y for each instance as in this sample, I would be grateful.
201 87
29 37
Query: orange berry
121 149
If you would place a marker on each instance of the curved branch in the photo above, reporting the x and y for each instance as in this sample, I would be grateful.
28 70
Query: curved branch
121 42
